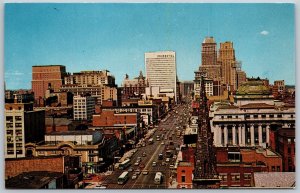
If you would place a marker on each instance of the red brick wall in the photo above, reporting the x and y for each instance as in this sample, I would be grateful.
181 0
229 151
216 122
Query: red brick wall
57 128
188 171
222 156
108 118
42 75
253 157
14 167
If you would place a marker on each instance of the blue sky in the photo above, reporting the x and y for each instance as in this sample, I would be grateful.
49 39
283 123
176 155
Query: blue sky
116 36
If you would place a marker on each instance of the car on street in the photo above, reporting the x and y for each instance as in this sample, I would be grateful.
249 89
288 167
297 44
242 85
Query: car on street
163 143
130 169
137 163
168 159
154 164
171 166
145 172
134 176
144 154
142 165
137 172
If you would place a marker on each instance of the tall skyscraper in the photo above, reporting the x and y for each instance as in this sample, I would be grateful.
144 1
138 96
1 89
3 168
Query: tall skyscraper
209 59
228 64
161 70
47 76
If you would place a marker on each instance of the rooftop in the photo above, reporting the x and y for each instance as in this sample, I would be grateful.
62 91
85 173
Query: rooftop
48 65
279 179
209 40
85 132
257 106
253 88
32 180
181 163
58 121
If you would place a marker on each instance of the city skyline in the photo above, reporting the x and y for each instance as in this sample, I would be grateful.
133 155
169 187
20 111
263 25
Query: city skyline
116 36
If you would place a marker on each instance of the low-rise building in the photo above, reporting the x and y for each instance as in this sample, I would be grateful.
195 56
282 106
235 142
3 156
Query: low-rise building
95 151
236 166
185 175
37 180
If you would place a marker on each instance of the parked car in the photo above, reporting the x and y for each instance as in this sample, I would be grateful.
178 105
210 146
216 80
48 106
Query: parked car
153 164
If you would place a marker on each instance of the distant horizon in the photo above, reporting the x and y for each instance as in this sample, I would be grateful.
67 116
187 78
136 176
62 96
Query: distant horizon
115 37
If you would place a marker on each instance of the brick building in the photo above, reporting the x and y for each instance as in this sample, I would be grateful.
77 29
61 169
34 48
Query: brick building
44 77
94 149
37 180
236 166
57 163
184 175
68 166
282 140
124 125
59 124
134 87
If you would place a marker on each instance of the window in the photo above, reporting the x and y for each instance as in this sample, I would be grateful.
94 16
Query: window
273 168
182 178
235 177
247 176
255 116
234 156
289 150
271 116
263 116
278 168
223 176
279 116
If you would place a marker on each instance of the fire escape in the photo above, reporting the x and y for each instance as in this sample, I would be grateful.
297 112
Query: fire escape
205 175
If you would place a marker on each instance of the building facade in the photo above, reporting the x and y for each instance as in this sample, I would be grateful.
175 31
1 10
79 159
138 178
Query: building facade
47 76
22 125
91 78
209 62
95 151
236 166
227 60
134 87
161 70
249 125
186 88
100 92
83 107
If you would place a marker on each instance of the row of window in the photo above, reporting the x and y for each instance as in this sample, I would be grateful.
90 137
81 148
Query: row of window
234 176
254 116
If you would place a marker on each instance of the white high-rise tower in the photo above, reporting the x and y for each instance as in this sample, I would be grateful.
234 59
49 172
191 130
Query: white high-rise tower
161 71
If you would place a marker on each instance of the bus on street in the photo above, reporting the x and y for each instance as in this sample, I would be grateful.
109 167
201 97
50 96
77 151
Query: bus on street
124 164
158 178
123 178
